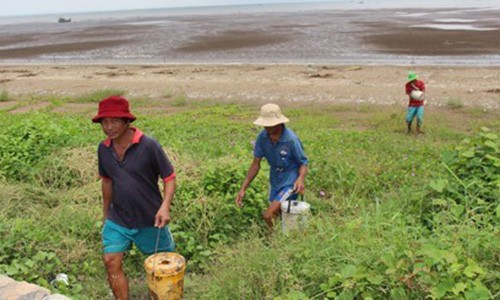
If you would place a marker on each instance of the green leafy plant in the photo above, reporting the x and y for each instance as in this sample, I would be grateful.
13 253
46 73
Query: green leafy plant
471 192
211 218
365 238
26 143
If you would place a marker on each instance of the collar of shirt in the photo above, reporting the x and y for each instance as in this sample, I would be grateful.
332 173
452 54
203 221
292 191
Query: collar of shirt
135 139
282 137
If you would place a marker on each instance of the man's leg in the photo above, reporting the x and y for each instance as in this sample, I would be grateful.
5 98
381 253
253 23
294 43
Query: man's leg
420 119
116 277
272 213
116 241
410 115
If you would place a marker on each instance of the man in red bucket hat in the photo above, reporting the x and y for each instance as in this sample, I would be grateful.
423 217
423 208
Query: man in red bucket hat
134 210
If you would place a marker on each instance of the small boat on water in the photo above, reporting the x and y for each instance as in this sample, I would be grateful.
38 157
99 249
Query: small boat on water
64 20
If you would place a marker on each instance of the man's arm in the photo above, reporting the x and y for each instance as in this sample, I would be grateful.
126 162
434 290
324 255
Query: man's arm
408 89
162 217
299 185
107 191
252 172
421 86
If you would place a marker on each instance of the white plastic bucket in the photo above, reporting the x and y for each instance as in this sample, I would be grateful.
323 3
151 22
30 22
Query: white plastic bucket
296 217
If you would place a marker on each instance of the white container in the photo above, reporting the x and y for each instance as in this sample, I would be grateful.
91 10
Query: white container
296 218
61 277
417 95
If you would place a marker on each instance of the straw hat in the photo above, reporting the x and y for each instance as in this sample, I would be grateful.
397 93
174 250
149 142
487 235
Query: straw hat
113 107
270 115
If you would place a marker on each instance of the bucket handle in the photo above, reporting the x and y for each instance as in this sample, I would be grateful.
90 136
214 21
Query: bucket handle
290 203
157 245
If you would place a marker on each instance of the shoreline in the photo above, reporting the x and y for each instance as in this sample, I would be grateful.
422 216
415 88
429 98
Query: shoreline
493 63
420 37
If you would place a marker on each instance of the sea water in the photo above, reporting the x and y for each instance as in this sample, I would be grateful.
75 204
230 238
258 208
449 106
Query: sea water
305 33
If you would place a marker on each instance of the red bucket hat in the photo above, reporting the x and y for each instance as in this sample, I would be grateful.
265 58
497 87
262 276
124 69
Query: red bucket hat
113 107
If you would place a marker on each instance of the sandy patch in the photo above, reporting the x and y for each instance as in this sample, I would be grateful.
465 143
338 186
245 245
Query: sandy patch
311 84
30 107
76 108
6 105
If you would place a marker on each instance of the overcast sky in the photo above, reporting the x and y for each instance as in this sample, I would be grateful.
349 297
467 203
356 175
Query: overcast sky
30 7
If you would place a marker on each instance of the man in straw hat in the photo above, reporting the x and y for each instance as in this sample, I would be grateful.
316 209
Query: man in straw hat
415 89
285 155
134 211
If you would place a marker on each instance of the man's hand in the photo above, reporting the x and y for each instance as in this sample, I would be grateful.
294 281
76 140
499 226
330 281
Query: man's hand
162 218
299 186
239 198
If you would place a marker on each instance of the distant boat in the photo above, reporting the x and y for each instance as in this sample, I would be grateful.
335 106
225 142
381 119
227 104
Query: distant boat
64 20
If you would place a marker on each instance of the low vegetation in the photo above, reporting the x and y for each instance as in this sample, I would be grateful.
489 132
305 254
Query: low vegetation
4 96
394 216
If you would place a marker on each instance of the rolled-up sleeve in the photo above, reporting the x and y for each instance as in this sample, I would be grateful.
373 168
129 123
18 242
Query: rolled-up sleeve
258 150
163 165
298 153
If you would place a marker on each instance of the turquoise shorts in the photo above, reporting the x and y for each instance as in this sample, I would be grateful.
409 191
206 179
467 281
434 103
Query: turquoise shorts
415 111
118 239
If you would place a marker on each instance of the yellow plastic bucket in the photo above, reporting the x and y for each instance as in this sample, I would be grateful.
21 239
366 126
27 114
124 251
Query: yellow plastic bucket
165 275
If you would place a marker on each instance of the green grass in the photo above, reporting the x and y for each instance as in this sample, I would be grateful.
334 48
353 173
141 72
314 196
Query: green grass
97 96
372 233
4 96
179 101
454 103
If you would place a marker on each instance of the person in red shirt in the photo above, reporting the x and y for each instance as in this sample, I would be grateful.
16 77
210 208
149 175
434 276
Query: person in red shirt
415 89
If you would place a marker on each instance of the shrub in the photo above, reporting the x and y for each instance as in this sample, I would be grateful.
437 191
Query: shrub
67 168
24 144
470 194
206 214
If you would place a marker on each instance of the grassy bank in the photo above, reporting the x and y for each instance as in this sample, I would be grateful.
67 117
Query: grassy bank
394 215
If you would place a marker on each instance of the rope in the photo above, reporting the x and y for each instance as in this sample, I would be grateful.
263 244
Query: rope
158 243
156 251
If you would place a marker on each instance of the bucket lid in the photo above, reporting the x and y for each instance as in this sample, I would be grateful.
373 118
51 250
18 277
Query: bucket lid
165 264
296 207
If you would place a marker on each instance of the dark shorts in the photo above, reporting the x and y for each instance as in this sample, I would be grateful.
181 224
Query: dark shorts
118 239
